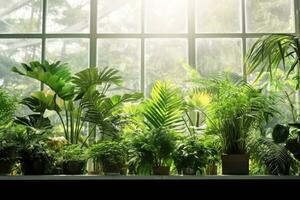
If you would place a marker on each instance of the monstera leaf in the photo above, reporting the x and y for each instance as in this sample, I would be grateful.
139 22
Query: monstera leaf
40 102
36 122
57 76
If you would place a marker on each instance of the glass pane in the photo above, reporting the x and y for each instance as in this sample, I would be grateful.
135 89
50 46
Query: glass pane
20 16
68 16
164 59
165 16
73 51
217 55
119 16
125 56
218 16
270 16
12 53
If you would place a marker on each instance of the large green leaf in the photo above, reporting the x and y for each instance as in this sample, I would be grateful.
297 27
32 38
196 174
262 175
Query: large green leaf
34 121
165 107
40 102
57 76
92 77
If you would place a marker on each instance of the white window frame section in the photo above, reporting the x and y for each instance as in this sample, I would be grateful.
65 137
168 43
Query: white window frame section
191 35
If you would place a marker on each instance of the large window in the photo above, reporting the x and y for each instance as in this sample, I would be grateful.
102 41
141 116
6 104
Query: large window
145 39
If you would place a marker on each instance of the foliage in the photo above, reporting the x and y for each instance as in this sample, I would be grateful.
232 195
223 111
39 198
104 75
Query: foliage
273 52
110 154
190 152
151 148
235 108
72 152
8 106
165 107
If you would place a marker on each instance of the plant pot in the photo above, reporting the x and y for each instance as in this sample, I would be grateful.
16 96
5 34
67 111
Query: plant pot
73 167
235 164
189 171
6 166
34 167
161 170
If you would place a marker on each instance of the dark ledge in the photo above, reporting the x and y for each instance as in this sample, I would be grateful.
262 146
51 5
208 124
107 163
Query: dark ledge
149 178
120 185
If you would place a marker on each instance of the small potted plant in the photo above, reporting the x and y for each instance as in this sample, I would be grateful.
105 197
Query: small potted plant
151 152
111 156
190 156
8 151
73 159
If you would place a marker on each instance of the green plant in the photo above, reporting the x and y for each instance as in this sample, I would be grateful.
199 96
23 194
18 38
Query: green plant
191 153
8 106
110 154
273 52
77 99
72 152
151 149
234 110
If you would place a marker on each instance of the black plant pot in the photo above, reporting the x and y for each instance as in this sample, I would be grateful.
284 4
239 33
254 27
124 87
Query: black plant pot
161 170
6 166
34 167
235 164
73 167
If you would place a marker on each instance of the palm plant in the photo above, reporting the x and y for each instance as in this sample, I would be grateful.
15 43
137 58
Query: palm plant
153 147
72 98
99 108
272 52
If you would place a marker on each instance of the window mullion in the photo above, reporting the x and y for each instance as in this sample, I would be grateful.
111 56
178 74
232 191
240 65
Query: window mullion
191 33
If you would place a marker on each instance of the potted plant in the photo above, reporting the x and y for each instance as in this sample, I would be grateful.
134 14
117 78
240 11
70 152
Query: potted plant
72 158
236 109
8 150
32 144
213 148
151 152
111 155
152 148
190 156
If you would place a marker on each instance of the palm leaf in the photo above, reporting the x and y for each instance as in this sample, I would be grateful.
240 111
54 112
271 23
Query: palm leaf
165 108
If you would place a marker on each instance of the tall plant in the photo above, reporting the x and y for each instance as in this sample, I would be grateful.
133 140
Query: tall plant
69 95
272 52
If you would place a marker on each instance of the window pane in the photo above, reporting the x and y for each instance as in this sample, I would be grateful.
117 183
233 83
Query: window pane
270 16
124 55
218 16
164 59
119 16
68 16
75 52
216 55
165 16
20 16
13 52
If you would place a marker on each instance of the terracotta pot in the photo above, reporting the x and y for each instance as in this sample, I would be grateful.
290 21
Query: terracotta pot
235 164
161 170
